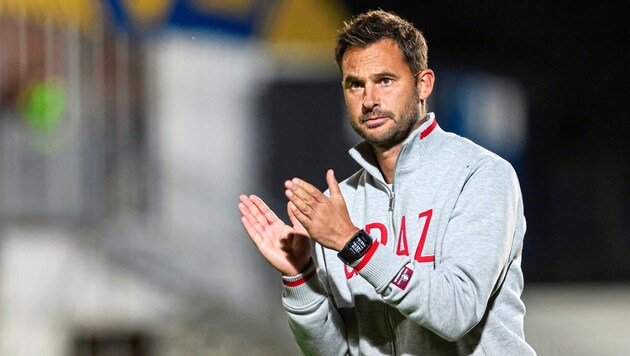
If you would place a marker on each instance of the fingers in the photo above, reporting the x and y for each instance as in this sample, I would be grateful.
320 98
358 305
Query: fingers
252 211
251 225
305 190
300 215
257 217
304 196
264 209
297 225
290 208
300 203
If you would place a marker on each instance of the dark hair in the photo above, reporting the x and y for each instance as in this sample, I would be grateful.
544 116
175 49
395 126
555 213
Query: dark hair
376 25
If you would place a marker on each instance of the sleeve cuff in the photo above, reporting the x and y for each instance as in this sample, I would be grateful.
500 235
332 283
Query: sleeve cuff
380 266
302 290
295 281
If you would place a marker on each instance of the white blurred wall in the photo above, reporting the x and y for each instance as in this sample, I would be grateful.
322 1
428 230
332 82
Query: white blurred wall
202 111
53 286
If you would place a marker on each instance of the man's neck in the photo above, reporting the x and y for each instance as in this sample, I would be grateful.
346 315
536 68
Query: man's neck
387 157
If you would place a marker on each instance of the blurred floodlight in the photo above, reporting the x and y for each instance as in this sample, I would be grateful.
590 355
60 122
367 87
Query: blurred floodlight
495 113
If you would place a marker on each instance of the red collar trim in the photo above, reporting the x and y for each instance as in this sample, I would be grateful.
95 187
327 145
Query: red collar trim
428 130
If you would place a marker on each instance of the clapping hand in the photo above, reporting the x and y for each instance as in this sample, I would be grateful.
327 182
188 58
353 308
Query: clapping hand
325 218
286 248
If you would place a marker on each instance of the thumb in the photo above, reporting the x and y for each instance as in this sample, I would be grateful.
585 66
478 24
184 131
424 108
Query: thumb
336 198
333 186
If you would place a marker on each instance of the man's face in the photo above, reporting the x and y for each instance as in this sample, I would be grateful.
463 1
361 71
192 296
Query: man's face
381 93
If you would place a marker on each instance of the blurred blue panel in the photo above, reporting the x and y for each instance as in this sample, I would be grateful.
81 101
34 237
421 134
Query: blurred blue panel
117 14
489 109
183 14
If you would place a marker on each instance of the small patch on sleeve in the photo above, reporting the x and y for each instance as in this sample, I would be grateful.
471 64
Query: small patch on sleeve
403 277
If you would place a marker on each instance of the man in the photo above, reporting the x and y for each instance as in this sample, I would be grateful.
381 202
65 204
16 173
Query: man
419 252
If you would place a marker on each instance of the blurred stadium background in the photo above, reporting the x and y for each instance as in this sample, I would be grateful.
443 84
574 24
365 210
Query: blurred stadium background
129 128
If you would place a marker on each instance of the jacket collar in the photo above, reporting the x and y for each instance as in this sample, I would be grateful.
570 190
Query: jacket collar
420 143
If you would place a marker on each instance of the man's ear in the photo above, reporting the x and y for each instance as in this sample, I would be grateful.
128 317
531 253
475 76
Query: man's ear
426 78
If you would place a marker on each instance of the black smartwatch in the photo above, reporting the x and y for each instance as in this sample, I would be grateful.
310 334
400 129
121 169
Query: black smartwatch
358 245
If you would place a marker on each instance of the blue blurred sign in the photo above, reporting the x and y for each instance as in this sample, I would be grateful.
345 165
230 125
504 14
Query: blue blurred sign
489 109
236 17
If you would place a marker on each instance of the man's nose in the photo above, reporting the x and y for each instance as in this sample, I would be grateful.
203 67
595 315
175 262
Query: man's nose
371 99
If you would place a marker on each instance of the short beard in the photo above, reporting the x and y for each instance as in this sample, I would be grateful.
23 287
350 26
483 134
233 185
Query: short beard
409 117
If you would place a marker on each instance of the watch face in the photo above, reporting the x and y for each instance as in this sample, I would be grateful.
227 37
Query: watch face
356 247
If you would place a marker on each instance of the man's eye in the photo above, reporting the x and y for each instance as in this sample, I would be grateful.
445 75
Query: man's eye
386 81
354 85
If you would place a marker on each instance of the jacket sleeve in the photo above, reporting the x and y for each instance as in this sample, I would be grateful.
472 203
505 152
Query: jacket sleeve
475 252
316 325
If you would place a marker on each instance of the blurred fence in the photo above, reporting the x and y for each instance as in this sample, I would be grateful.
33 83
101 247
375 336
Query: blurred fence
71 122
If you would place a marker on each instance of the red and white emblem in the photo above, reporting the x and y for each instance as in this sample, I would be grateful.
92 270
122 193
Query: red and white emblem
403 277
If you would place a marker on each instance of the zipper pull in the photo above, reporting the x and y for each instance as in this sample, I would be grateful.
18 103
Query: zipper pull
391 201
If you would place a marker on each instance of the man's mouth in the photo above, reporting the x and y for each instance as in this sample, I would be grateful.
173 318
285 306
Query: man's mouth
375 121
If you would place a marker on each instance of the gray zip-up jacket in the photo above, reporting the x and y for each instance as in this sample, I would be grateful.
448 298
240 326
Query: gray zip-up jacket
443 276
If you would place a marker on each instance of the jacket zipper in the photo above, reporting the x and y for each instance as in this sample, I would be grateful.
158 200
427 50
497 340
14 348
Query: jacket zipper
389 316
388 310
392 197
